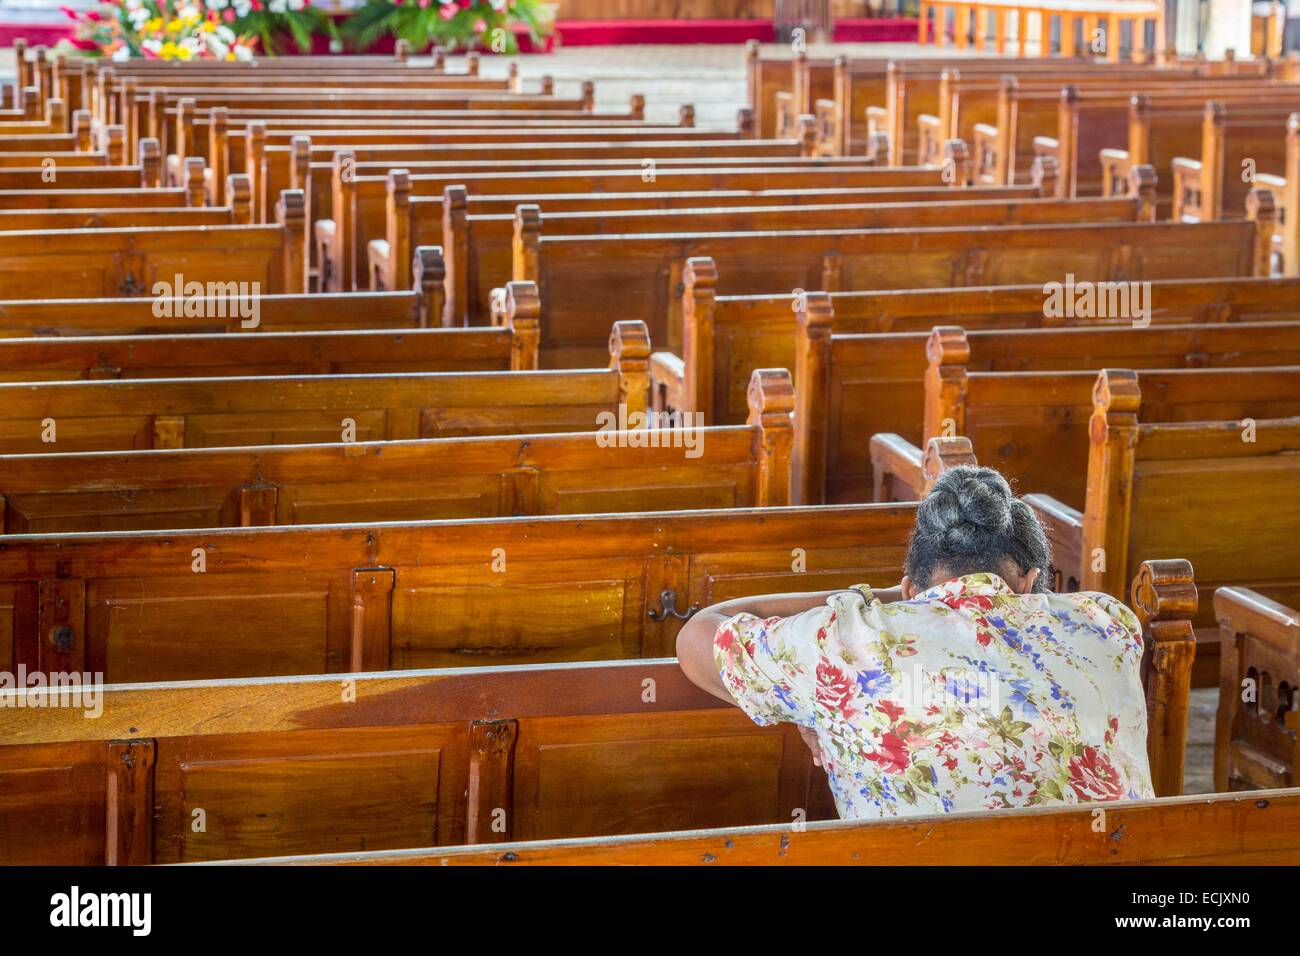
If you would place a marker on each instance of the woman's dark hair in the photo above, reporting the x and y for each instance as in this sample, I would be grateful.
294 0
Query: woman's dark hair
971 522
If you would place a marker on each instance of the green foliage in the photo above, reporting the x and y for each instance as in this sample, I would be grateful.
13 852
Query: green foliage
454 24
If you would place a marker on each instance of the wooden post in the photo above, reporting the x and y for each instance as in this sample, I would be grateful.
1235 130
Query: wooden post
812 399
523 317
339 276
398 226
239 196
455 243
948 353
1261 209
149 156
1213 150
526 247
257 505
218 152
1142 184
699 280
195 193
428 277
129 803
255 166
372 619
1165 600
629 355
771 409
291 214
1107 514
489 800
943 454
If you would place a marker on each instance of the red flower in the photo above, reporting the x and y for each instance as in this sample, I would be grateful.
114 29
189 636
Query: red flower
725 639
1093 777
891 710
835 689
892 756
229 14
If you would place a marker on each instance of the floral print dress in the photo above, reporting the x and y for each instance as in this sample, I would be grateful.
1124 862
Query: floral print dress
967 697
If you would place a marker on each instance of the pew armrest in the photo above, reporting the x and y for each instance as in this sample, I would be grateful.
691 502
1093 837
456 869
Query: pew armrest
897 469
787 117
1064 527
985 139
828 134
1187 190
929 140
173 171
877 150
324 235
380 265
1115 166
667 382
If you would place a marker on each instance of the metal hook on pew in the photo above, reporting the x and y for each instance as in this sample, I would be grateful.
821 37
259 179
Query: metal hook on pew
668 607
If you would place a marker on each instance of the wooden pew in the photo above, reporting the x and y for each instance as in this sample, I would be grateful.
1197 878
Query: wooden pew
1215 490
1222 829
478 230
1254 740
1009 121
358 202
646 157
616 471
418 308
1033 425
483 251
580 275
109 415
1177 136
538 589
1239 148
147 172
191 210
447 758
891 100
723 336
1088 123
209 355
861 383
88 263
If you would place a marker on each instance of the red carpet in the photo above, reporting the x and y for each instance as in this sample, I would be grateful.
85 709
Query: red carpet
591 33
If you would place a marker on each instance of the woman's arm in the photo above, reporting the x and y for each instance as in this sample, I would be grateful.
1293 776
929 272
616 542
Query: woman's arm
695 639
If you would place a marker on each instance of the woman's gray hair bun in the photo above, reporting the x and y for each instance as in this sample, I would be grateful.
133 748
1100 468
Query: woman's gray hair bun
970 522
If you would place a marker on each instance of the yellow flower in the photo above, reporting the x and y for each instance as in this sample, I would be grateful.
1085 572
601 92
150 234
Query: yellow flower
184 52
192 19
168 51
153 26
230 56
175 26
208 27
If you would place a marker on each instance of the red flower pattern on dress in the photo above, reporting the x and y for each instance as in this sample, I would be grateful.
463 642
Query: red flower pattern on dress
1093 777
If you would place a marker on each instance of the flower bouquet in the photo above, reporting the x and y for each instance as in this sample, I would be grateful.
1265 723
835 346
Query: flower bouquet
454 24
160 30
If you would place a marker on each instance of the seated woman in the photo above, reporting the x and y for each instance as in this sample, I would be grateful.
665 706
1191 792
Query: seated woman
967 686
